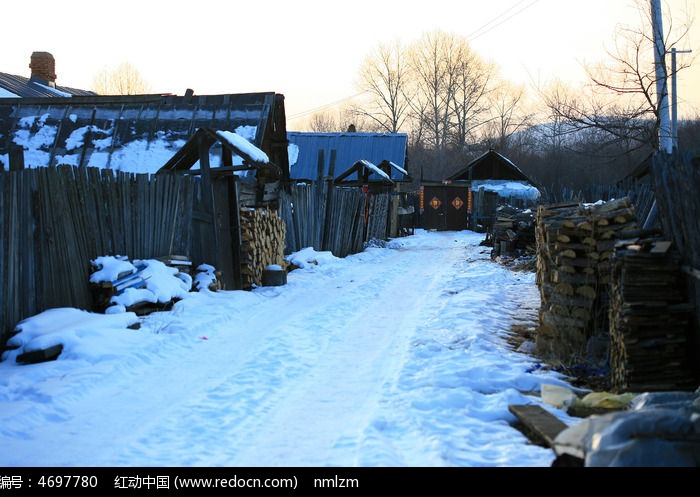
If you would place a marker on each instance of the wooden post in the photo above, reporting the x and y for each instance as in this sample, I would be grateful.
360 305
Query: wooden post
365 190
330 185
16 157
394 211
235 214
320 165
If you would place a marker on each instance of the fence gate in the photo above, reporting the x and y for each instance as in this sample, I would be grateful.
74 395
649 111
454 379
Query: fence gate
445 207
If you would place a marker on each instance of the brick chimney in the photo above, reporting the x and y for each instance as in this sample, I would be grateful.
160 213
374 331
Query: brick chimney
43 68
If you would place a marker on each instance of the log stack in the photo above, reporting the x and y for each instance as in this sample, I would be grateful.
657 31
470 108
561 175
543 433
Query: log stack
512 233
137 278
650 318
574 245
263 235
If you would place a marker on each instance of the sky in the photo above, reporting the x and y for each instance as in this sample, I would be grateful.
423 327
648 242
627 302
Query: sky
311 50
393 357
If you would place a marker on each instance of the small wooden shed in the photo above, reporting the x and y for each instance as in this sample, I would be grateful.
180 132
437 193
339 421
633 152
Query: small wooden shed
490 166
469 197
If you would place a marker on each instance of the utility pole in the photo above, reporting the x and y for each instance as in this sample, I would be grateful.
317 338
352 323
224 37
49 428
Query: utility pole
674 92
665 139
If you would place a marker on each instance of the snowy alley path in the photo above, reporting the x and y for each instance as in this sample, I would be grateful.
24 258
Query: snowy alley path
319 372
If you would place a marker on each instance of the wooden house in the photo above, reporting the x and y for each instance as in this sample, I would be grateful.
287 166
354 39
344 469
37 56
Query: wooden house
135 133
468 198
43 125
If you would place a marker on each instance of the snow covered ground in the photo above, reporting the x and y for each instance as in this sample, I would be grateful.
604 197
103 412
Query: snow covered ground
393 357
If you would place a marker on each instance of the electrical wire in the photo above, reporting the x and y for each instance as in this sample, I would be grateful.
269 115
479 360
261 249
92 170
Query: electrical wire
474 35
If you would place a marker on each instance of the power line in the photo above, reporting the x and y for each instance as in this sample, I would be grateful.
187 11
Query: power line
325 106
475 34
479 32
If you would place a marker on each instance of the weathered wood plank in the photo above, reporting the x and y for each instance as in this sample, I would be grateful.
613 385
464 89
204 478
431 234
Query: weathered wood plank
542 426
47 354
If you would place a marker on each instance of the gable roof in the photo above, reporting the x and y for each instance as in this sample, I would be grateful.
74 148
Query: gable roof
230 142
490 165
21 87
362 170
348 148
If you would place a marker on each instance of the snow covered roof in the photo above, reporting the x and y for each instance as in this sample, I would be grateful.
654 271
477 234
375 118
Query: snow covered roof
508 188
136 133
363 170
244 146
13 86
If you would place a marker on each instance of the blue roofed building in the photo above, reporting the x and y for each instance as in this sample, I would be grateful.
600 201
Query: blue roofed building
314 156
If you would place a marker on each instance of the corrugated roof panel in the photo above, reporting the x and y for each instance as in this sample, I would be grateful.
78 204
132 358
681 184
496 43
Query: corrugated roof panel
349 148
25 88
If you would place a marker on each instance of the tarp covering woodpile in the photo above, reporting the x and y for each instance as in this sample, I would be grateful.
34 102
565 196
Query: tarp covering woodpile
574 246
650 318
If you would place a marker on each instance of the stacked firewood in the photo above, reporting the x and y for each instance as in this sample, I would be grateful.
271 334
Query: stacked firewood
512 233
135 277
262 243
650 318
574 245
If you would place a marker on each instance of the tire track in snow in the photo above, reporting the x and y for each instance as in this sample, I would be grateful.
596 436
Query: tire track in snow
444 400
346 346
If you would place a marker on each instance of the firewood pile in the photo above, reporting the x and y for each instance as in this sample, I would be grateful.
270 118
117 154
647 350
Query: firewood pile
512 233
574 245
650 318
263 240
134 278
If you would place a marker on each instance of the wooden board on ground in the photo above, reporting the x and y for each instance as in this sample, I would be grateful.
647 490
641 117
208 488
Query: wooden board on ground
42 355
542 426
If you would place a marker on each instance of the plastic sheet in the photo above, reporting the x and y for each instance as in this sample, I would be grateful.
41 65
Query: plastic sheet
660 429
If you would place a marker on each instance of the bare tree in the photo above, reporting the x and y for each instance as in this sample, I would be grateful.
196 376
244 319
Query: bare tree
622 97
451 85
469 102
124 80
323 122
432 60
341 120
384 77
507 115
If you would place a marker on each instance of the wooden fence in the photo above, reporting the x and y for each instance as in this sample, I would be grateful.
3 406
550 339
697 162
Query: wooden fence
333 218
55 221
677 183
